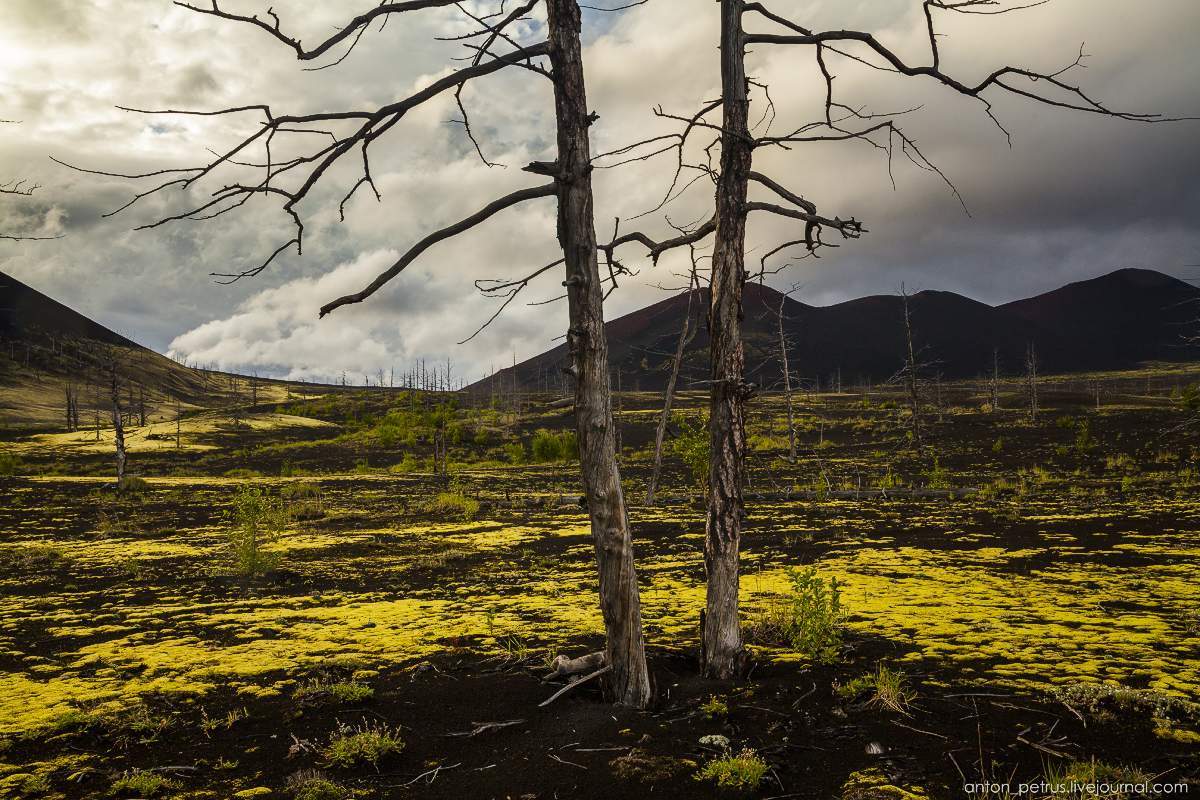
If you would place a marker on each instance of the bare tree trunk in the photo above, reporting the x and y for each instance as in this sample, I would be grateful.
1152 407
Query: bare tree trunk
685 336
721 645
620 604
910 371
787 383
118 428
995 379
1031 380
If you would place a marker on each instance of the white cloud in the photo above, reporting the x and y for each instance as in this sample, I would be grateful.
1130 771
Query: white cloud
1074 191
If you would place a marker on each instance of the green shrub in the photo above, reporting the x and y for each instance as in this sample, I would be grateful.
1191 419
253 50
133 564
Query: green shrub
745 770
691 445
1189 398
142 784
809 620
341 691
365 743
407 465
1084 440
455 503
10 463
300 491
515 452
36 557
310 784
257 520
550 446
715 708
888 689
242 473
131 484
939 476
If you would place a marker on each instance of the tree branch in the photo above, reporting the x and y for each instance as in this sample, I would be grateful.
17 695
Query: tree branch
520 196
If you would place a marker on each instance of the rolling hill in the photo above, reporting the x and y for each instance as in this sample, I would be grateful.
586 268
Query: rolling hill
46 347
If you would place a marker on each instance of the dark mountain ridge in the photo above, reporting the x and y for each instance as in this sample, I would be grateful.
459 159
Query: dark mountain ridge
1116 321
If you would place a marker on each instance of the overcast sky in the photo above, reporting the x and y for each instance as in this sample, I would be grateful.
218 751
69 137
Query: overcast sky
1075 196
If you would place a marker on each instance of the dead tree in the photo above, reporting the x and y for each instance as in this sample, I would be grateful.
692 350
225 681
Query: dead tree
1031 380
995 382
118 426
686 334
787 375
72 407
348 135
721 648
911 377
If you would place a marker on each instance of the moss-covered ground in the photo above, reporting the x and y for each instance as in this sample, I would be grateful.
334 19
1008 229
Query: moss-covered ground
1048 615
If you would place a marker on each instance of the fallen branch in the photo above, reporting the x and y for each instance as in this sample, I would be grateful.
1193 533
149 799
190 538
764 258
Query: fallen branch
484 727
574 685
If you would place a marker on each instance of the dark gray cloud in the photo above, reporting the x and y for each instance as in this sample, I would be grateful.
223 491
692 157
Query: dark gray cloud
1074 196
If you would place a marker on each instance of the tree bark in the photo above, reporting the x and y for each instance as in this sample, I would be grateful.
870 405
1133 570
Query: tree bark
721 648
685 336
620 605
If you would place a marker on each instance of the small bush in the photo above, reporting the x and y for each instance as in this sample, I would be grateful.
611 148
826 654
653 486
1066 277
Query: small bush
809 620
304 501
131 484
242 473
515 452
10 464
939 476
310 784
888 689
343 692
715 708
257 520
142 784
35 557
691 445
744 770
550 446
300 491
455 503
365 743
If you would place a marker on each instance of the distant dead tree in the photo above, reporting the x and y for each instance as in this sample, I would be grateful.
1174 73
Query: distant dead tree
1031 380
686 333
721 648
72 406
787 374
296 151
111 363
910 374
994 384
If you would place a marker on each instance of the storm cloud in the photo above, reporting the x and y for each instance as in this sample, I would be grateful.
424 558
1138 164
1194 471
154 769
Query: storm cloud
1073 196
